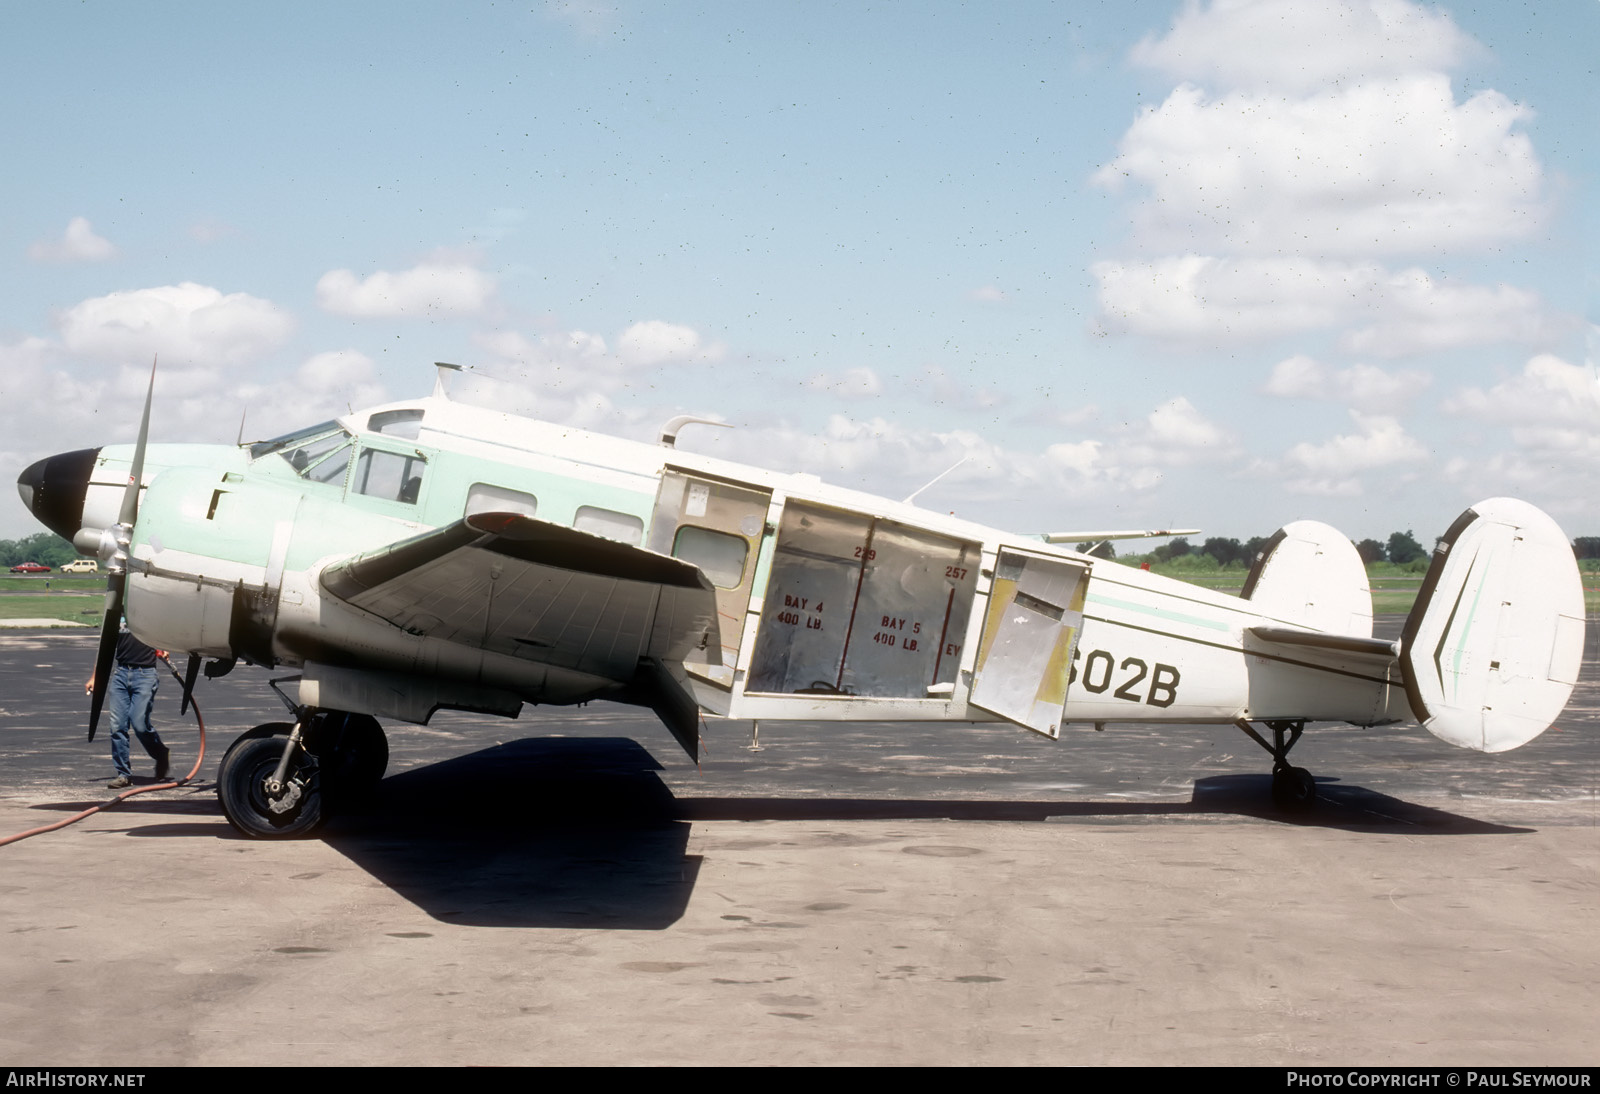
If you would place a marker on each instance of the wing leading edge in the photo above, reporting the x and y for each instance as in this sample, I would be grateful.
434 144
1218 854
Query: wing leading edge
514 585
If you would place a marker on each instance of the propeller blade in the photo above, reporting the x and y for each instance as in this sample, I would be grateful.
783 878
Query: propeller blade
130 495
107 654
190 671
117 576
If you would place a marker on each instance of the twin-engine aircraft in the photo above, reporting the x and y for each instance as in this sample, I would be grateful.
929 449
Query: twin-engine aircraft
429 554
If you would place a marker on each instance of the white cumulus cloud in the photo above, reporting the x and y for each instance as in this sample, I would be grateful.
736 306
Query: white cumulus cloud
183 324
577 377
1375 168
1311 151
1334 467
1381 312
78 244
1303 44
432 289
1415 312
654 342
1548 391
1362 387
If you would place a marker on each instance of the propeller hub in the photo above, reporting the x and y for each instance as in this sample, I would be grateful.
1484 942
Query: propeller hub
113 548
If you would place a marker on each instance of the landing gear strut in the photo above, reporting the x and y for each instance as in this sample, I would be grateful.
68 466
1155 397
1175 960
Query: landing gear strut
282 780
1293 788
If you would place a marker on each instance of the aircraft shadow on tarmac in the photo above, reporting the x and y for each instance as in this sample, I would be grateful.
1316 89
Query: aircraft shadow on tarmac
583 833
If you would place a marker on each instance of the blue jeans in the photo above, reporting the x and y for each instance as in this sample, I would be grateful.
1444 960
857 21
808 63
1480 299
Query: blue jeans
133 694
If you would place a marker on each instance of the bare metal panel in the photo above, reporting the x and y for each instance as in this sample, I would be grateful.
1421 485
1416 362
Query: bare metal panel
916 592
861 606
717 526
805 620
1035 614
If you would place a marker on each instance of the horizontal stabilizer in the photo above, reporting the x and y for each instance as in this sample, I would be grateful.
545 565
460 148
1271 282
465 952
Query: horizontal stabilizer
1491 649
1338 643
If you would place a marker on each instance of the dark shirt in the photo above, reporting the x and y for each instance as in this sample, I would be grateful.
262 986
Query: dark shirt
134 654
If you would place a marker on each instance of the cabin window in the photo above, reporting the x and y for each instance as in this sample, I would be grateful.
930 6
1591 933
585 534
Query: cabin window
484 498
389 475
719 555
608 523
397 423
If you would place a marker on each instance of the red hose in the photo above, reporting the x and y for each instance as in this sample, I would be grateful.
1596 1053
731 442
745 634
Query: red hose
126 794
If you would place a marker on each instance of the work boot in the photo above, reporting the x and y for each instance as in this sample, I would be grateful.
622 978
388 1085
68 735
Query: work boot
119 782
163 764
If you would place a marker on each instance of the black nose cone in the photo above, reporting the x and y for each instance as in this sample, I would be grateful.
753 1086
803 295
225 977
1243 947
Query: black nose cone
54 488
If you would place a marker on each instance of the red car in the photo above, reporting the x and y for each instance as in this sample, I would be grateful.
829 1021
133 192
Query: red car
29 568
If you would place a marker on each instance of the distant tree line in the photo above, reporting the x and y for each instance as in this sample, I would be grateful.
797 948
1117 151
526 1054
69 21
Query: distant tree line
1402 549
45 548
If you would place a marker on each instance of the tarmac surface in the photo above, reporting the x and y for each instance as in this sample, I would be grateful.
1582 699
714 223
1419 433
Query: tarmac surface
569 889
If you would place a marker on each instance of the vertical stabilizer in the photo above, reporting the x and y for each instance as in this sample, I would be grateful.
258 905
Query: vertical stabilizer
1492 647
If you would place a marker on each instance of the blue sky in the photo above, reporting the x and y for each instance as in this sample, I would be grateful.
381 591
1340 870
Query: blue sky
1224 264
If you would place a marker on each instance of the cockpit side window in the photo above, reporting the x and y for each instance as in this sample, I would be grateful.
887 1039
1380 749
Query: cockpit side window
321 460
392 476
330 468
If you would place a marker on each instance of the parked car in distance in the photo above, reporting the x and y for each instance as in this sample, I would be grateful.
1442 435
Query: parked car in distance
81 566
29 568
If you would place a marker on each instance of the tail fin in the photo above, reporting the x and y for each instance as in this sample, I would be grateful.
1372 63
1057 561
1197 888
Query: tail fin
1309 574
1491 649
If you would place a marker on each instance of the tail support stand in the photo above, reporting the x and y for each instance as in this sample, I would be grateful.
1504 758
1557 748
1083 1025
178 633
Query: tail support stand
1293 788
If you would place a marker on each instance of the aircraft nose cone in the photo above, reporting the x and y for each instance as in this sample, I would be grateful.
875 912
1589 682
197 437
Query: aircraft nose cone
53 489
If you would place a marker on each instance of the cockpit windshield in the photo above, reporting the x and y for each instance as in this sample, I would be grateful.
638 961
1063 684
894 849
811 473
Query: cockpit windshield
318 454
265 448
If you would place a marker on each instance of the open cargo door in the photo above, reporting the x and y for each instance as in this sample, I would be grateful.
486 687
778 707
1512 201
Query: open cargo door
1035 614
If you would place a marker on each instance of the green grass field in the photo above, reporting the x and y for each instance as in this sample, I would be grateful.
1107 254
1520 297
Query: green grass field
73 607
16 583
1393 589
76 598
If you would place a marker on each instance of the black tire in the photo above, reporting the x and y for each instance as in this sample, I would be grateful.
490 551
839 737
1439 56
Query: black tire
1294 789
295 813
353 750
266 729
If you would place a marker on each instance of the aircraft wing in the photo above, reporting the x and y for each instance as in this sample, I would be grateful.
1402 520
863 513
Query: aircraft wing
515 585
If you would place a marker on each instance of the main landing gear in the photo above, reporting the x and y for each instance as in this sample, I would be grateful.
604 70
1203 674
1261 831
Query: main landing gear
1293 788
283 780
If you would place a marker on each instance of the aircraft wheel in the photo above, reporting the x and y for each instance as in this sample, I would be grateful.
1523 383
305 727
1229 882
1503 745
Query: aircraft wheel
1293 788
354 752
296 810
266 729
